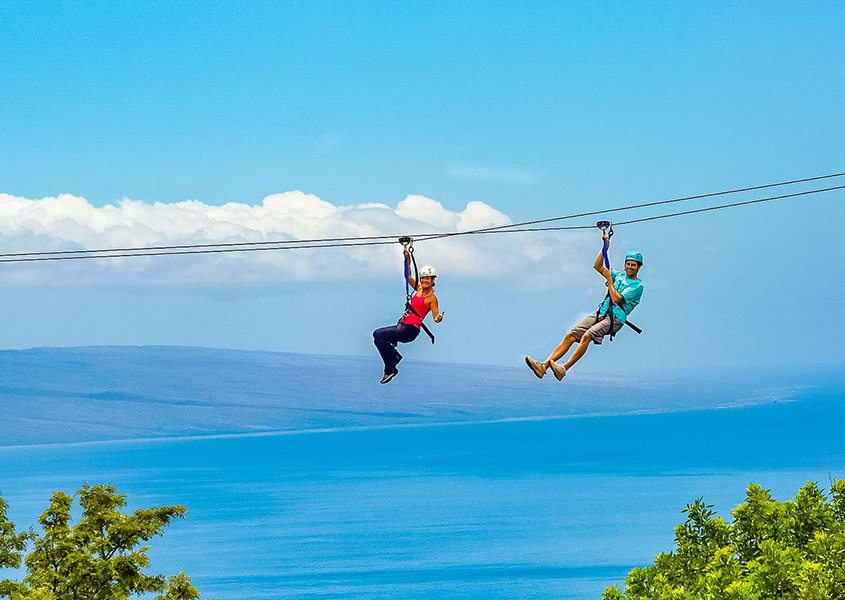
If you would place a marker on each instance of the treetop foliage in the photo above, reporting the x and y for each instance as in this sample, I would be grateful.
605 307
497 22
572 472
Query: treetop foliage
102 557
794 550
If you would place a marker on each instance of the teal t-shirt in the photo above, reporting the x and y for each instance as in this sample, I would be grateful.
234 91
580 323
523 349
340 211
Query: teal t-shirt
631 290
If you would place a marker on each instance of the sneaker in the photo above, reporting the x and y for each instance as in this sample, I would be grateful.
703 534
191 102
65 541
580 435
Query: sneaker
558 370
388 376
536 366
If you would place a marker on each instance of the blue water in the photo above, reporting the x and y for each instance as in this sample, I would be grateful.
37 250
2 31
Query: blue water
481 485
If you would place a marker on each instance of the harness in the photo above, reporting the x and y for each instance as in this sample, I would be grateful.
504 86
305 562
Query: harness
408 244
607 229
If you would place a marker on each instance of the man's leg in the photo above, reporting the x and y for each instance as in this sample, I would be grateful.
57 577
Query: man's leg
586 339
540 368
561 349
571 338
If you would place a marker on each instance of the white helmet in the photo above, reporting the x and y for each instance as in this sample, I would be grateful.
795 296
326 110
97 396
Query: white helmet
428 271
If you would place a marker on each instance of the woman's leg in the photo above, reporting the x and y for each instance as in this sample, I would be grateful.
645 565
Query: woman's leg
385 339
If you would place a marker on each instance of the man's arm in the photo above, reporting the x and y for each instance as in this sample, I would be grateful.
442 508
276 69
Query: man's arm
599 264
614 295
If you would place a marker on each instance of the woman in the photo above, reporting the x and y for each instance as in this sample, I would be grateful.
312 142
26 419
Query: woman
422 302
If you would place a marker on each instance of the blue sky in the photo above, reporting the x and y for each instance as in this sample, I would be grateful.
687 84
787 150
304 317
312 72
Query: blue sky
530 110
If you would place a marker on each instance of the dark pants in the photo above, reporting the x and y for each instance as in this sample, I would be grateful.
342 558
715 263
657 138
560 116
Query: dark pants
386 338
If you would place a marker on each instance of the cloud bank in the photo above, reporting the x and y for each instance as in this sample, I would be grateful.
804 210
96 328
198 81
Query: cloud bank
68 222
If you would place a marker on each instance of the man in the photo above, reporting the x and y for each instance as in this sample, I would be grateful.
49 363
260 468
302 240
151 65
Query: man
624 291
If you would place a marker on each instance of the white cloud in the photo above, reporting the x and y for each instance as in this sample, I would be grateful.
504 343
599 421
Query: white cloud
68 222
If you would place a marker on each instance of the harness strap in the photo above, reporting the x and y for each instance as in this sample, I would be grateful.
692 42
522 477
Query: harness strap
632 326
607 227
410 309
610 314
608 297
408 244
407 284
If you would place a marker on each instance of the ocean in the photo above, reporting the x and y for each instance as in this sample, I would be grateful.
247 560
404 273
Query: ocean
304 478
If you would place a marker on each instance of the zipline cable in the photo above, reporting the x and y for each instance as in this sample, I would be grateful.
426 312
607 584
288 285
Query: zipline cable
211 245
732 205
632 221
204 251
431 235
635 206
339 242
419 236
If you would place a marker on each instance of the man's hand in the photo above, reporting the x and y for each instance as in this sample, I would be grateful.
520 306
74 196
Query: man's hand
606 240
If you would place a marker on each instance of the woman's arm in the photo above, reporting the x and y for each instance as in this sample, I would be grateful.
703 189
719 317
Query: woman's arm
435 308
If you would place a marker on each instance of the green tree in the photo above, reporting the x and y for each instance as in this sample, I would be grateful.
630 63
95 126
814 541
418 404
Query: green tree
793 550
12 544
102 557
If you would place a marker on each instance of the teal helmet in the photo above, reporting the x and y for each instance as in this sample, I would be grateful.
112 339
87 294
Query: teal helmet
635 256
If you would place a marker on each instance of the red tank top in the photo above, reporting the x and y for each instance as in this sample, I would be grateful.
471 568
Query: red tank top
419 305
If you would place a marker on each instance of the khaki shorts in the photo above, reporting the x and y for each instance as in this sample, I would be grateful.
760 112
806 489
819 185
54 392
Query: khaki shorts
598 330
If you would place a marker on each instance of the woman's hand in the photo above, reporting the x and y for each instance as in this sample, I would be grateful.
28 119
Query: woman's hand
439 317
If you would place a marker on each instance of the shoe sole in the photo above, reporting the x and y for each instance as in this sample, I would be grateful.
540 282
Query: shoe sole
388 378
